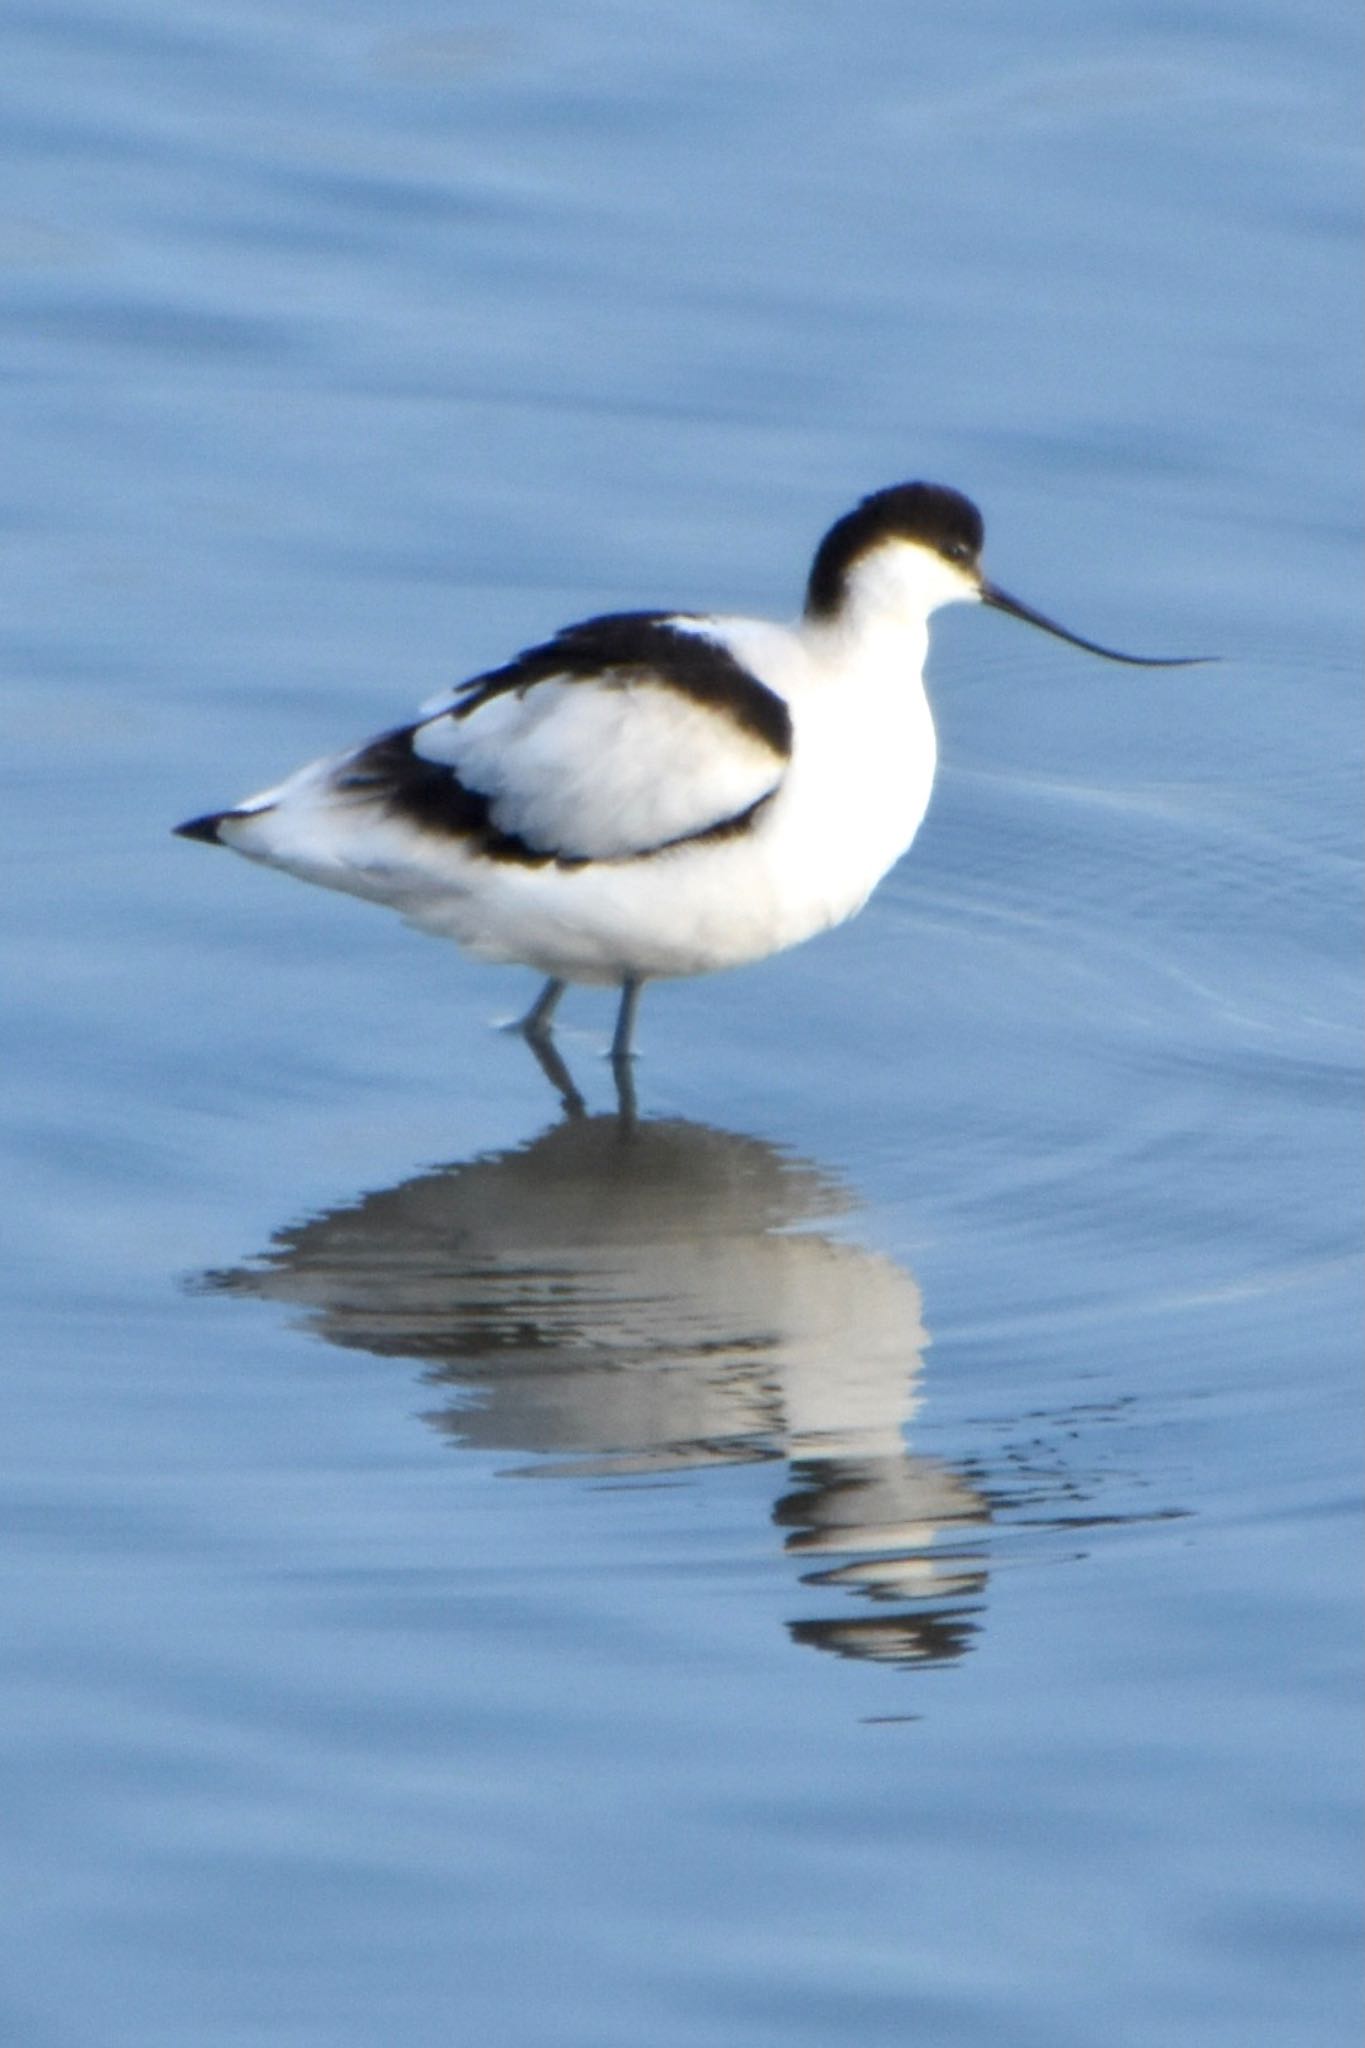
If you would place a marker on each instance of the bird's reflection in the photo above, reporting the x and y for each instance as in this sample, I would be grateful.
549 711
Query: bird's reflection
626 1296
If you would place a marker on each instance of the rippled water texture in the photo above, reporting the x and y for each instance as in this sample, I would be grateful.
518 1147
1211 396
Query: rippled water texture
934 1620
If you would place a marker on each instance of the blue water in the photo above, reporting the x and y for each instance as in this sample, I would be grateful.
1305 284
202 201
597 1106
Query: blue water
934 1614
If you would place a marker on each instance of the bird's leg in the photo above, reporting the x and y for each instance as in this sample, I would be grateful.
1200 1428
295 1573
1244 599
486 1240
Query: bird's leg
535 1025
622 1056
627 1112
625 1020
551 1064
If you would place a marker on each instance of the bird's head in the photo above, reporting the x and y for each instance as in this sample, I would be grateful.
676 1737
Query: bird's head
905 551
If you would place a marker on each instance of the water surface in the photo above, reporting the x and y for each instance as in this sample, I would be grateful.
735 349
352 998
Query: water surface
933 1613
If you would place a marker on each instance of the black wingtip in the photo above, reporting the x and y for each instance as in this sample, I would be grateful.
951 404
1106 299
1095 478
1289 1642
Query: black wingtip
205 828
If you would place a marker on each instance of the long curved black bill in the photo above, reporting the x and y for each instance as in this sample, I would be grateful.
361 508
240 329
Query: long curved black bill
1001 601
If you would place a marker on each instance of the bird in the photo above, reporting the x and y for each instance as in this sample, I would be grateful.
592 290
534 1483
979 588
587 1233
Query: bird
655 794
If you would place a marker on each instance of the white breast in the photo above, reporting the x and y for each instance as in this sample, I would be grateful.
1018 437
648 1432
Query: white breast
861 774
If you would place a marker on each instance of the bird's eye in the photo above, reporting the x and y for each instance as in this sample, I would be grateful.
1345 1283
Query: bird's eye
958 551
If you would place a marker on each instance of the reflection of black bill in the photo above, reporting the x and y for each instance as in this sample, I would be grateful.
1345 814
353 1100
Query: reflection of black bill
1000 600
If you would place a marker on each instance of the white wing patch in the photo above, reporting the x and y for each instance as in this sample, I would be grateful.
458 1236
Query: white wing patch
600 768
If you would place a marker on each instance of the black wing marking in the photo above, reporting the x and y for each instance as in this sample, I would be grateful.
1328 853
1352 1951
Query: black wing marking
691 663
433 798
498 792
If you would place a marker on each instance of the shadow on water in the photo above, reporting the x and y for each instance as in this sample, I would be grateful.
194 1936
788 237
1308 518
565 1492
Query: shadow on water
622 1297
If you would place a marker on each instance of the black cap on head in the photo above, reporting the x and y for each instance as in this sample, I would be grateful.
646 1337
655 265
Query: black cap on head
931 514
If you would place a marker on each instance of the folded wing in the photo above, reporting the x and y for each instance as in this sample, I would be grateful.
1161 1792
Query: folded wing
620 737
